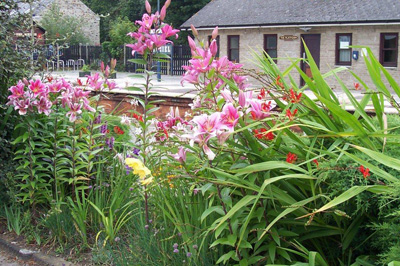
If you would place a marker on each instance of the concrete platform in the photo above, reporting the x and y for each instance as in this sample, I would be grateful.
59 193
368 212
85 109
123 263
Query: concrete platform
170 86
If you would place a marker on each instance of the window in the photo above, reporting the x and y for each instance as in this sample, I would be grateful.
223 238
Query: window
233 48
271 45
343 51
217 39
389 49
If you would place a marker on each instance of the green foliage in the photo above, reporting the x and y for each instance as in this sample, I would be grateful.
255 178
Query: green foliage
61 28
118 37
113 10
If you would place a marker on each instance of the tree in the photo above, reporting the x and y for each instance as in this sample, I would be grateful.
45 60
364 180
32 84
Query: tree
61 28
112 10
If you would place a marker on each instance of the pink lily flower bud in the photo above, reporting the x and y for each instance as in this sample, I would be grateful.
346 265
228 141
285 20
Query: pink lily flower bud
167 3
102 66
214 33
195 33
107 72
148 7
113 63
25 81
213 47
163 13
192 44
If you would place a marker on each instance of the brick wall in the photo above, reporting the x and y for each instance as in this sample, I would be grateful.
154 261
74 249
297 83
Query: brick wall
361 35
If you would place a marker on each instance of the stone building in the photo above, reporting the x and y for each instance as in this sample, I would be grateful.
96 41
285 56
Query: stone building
72 8
328 27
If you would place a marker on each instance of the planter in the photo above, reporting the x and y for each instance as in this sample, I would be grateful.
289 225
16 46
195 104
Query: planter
83 74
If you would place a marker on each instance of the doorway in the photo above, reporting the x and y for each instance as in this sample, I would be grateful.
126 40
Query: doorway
313 42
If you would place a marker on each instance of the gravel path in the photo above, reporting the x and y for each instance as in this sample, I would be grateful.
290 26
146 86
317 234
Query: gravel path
8 259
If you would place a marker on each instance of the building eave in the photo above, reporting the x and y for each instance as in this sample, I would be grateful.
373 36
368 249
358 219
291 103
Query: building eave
298 25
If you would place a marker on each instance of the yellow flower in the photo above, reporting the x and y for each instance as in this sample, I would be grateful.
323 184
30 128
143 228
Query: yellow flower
134 163
139 169
147 181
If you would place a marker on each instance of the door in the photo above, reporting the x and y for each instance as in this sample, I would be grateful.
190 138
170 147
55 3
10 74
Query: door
313 42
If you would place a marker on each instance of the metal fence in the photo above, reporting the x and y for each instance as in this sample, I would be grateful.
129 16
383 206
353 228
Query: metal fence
179 56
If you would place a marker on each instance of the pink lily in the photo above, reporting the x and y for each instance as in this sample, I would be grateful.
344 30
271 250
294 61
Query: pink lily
208 125
75 109
43 105
230 116
37 87
244 98
258 110
22 106
17 91
181 155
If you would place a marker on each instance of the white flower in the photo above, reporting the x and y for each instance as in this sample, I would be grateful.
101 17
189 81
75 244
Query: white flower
134 102
125 120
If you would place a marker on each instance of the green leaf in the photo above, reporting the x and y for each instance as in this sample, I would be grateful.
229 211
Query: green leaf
224 258
270 165
217 209
138 61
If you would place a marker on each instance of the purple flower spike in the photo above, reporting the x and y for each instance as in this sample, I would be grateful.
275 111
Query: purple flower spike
195 247
188 254
131 189
97 120
176 250
136 151
103 128
146 227
175 246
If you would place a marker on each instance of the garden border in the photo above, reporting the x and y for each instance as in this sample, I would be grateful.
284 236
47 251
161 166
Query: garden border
38 257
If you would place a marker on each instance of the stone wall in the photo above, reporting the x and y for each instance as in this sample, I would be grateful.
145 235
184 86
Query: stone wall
253 39
90 20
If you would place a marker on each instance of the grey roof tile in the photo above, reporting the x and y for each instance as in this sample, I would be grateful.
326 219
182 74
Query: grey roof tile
231 13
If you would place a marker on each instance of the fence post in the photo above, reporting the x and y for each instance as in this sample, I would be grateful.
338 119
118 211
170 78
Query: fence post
172 60
124 55
58 56
87 54
80 51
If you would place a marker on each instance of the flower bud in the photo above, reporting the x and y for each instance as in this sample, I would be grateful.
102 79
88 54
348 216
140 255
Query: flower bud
102 66
167 3
214 33
25 81
163 13
192 44
195 33
148 7
213 47
113 63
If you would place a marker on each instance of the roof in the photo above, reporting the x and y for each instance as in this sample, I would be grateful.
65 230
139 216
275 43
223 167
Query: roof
239 13
37 7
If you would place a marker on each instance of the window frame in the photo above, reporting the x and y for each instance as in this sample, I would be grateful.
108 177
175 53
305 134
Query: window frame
275 48
337 50
230 49
382 49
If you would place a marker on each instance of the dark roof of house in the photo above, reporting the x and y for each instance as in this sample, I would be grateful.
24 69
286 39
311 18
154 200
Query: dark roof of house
236 13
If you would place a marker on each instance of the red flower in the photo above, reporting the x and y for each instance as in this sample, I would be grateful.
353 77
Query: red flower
79 82
262 94
278 82
357 86
118 130
262 135
137 117
364 171
266 107
316 162
294 97
291 157
291 115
